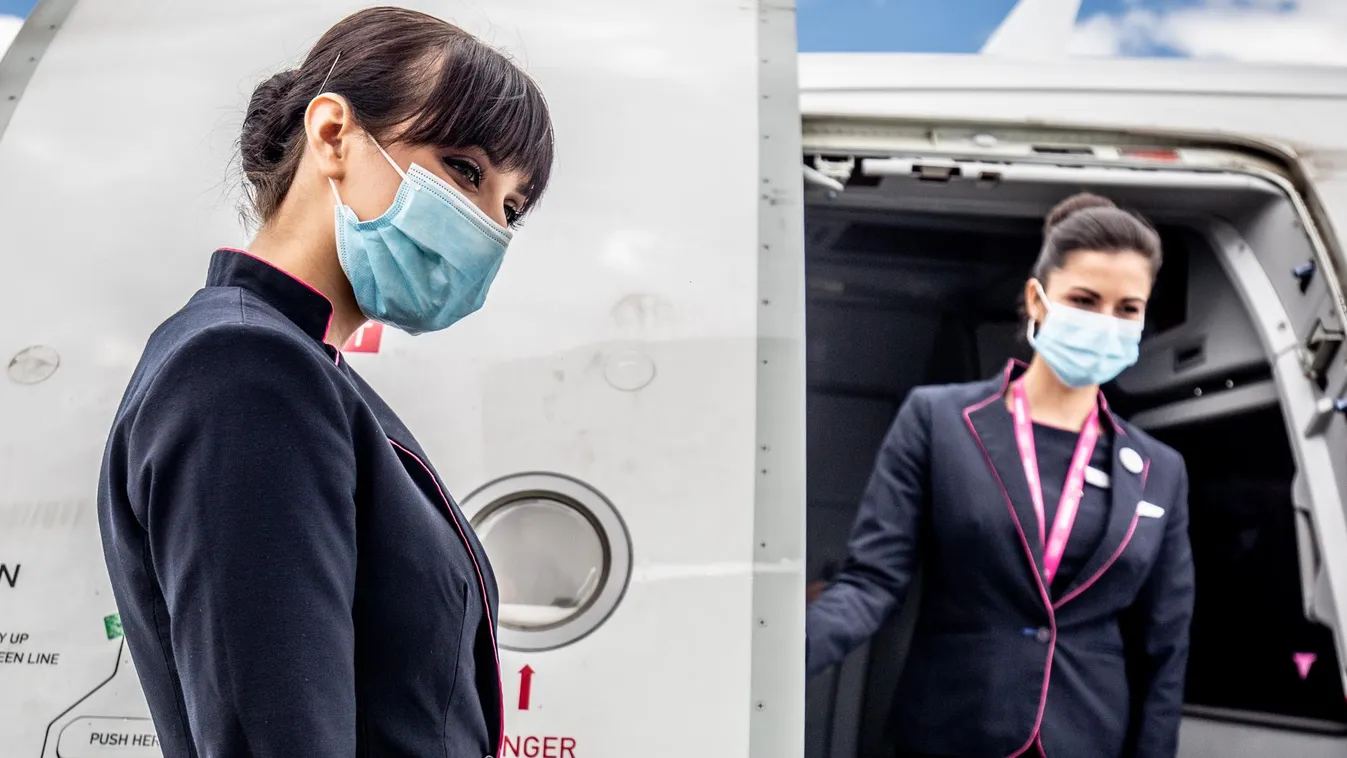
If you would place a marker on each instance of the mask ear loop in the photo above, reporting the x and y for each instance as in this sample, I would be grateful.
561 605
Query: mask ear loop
1029 327
332 183
322 89
402 174
1042 295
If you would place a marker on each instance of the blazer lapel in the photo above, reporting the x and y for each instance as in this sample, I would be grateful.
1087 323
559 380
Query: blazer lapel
396 432
427 479
1130 467
992 428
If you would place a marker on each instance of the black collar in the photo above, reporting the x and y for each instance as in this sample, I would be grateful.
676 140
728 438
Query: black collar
307 307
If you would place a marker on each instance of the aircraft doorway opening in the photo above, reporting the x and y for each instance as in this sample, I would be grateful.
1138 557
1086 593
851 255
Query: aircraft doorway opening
913 282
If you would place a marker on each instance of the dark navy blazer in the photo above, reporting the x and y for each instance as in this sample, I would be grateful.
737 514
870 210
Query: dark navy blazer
292 576
1000 665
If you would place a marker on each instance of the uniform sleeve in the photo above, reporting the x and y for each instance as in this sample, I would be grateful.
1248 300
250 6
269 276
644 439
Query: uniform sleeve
883 545
1157 644
243 457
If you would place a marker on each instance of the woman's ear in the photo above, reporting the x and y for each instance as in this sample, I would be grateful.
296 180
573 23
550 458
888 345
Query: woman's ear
1033 302
328 129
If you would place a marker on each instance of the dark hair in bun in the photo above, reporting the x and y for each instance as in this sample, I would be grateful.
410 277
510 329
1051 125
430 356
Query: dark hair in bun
266 117
1091 222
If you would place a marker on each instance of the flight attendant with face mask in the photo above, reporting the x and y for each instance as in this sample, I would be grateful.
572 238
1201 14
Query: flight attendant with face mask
293 577
1052 535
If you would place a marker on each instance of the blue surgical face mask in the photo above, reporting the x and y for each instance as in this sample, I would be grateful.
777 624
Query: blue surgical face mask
428 261
1084 348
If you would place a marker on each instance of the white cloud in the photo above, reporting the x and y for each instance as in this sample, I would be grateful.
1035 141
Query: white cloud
1263 31
9 27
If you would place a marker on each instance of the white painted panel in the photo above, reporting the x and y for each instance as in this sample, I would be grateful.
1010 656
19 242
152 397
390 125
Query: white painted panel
114 190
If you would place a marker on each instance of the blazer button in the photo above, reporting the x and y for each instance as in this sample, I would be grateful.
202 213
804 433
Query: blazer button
1043 635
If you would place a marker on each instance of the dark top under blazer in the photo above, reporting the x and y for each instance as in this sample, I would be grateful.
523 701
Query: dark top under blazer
998 665
1055 449
292 577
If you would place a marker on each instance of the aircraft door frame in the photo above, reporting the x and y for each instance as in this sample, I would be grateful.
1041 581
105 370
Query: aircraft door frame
1315 418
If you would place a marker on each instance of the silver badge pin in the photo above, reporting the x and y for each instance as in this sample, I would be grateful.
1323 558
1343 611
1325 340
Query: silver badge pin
1149 510
1096 477
1131 460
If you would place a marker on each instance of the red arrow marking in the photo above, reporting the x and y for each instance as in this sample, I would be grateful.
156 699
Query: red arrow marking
525 686
366 339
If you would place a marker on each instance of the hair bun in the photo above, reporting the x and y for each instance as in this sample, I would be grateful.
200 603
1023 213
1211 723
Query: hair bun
266 124
1073 205
275 88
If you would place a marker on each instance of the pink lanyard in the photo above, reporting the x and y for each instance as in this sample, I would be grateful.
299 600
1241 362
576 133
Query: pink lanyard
1072 490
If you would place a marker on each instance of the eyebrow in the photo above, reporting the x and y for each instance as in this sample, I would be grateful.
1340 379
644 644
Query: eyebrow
1087 291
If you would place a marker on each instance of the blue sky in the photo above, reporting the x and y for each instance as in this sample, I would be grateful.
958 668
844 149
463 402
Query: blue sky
922 26
1272 31
16 7
1281 31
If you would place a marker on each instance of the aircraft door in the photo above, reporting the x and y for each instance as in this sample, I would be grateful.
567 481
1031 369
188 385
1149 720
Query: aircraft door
1283 261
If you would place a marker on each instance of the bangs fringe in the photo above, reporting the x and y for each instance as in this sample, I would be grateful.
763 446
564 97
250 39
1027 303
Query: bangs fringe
481 99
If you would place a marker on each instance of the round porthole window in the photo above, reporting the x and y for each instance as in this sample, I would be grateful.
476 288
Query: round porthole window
560 554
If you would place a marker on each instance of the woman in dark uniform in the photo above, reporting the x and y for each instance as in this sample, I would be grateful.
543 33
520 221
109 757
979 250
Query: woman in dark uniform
292 575
1057 572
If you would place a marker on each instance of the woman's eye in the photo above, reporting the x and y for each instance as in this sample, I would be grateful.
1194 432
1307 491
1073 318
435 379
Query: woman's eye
466 169
512 215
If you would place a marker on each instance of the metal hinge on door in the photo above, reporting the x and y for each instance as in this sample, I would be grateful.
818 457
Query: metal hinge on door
1321 347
